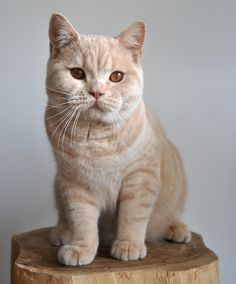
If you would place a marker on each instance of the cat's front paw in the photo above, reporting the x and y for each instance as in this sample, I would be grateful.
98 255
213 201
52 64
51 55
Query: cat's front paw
128 250
76 255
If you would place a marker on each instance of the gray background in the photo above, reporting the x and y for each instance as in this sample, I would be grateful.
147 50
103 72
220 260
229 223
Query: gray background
189 60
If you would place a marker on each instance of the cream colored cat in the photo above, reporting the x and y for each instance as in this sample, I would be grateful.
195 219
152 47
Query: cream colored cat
118 177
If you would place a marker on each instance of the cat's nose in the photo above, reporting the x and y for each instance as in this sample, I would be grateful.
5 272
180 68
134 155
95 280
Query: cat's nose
96 94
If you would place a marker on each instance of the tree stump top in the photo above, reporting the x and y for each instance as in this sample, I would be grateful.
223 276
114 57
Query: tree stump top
32 253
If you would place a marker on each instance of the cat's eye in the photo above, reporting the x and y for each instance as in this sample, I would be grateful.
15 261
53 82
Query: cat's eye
116 76
78 73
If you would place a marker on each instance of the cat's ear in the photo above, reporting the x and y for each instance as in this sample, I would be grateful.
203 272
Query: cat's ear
61 32
133 38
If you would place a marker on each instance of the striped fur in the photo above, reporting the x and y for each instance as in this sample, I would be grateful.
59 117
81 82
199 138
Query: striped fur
119 180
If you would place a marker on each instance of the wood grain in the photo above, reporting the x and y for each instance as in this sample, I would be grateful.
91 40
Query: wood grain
34 260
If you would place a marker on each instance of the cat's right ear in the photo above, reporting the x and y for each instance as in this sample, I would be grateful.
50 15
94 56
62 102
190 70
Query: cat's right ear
61 33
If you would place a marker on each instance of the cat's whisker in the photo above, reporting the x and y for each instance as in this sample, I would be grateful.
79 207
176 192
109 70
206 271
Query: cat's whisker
42 111
58 120
58 91
57 105
71 95
55 115
112 101
85 115
61 112
108 106
62 129
64 118
63 99
74 126
65 129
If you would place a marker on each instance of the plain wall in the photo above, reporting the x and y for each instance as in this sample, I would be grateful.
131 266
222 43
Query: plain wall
189 63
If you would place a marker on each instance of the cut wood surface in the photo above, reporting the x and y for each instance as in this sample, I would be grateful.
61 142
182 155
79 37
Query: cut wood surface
34 260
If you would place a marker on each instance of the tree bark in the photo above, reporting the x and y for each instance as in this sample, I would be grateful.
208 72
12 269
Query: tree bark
34 260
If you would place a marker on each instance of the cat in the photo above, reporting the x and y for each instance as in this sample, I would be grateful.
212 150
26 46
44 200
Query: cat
119 179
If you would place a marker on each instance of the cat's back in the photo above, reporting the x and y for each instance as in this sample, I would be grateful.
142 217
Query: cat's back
155 124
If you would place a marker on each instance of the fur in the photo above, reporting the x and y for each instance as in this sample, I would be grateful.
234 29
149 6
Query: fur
119 180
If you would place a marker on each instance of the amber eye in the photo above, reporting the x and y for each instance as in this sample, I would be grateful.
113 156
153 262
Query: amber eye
78 73
116 76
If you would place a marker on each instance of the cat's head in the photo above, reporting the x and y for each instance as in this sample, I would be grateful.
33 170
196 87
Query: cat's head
97 75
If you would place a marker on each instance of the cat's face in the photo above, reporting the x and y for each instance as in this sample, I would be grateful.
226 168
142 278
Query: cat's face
97 76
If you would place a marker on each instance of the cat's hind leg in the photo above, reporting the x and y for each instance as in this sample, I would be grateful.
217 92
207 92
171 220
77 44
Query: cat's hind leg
178 232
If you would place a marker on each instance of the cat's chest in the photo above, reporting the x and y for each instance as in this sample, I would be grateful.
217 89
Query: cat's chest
101 160
97 159
92 162
101 155
99 172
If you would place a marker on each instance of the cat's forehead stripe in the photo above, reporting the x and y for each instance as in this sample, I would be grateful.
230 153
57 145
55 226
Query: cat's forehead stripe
97 53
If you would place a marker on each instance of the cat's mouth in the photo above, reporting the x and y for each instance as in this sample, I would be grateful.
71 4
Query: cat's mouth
100 109
94 107
97 107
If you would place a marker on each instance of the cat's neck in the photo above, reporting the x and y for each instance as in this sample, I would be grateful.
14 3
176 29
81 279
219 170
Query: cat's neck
93 130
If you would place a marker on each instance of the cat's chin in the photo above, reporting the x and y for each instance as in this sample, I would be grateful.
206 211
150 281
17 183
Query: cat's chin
95 113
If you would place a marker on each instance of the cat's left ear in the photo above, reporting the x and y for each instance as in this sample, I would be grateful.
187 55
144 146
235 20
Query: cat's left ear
133 38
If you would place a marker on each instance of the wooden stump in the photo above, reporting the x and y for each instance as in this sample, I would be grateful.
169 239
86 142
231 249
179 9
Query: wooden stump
34 260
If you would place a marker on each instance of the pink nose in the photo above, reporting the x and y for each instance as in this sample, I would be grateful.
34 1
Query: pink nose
95 94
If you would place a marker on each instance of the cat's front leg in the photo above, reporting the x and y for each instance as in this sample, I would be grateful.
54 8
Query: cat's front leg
138 194
82 215
60 234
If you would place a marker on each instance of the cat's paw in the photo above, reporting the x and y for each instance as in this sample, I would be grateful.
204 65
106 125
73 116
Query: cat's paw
75 255
179 233
128 250
59 236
